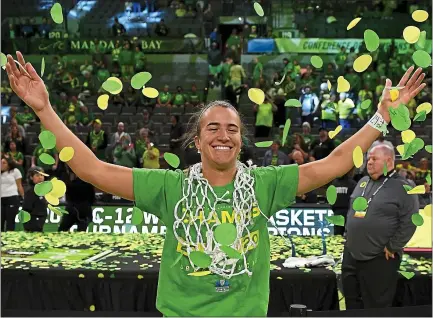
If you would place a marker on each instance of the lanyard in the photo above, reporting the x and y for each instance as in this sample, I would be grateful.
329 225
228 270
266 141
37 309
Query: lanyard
377 190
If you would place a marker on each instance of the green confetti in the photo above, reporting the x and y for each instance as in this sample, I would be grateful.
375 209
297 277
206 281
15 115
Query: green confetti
421 40
24 216
371 40
407 275
316 61
385 170
225 233
412 148
43 188
360 204
200 259
421 116
407 187
42 66
57 13
47 159
172 159
286 131
428 148
259 10
400 118
421 58
366 104
112 86
335 219
140 79
417 219
47 139
231 252
177 260
331 194
428 179
331 19
137 216
3 60
264 144
292 103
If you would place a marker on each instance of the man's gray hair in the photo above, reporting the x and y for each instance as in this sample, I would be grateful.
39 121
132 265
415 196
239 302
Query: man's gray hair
387 150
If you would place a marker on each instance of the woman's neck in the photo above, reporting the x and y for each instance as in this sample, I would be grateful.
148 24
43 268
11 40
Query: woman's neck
218 178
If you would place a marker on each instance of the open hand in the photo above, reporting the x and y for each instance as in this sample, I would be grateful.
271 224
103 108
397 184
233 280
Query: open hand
411 88
29 87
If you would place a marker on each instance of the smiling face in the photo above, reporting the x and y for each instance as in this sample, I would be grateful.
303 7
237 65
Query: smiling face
220 139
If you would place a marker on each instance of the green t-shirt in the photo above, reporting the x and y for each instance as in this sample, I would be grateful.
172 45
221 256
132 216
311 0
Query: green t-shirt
158 191
71 118
24 118
139 60
39 150
265 115
329 111
17 156
140 147
179 99
225 72
85 119
194 98
96 140
164 97
234 40
258 69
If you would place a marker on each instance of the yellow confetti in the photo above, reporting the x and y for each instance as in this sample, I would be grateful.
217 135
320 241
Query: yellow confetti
362 63
81 276
140 276
335 132
66 154
358 157
420 15
92 308
256 95
43 173
150 92
424 106
407 136
427 210
59 188
279 278
329 85
394 94
417 190
203 273
342 85
52 199
102 101
353 23
100 275
400 149
411 34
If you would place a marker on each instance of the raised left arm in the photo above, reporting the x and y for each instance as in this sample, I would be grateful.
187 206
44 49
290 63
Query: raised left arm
316 174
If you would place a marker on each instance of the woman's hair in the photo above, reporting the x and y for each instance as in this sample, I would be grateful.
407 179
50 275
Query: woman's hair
302 142
10 162
193 128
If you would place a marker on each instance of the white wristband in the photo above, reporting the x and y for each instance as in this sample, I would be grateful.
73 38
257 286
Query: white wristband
377 122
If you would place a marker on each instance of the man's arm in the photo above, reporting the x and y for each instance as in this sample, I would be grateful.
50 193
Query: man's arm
339 162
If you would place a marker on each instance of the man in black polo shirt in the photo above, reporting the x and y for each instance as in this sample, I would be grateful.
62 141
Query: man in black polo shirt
376 236
322 147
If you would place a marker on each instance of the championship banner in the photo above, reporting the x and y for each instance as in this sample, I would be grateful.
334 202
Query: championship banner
83 45
332 46
297 220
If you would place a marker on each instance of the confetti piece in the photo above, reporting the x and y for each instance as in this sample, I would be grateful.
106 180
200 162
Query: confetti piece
413 147
286 131
385 169
3 60
24 216
43 188
428 210
59 188
331 194
199 274
316 61
231 252
417 219
411 34
140 79
362 63
331 19
280 278
353 23
42 66
400 119
47 139
342 85
407 275
140 276
358 157
66 154
329 85
421 116
279 83
360 204
55 210
394 94
57 13
371 40
225 233
421 41
421 58
113 85
420 15
417 190
407 136
102 101
172 159
256 95
150 92
189 36
92 308
366 104
427 107
335 132
335 219
263 144
259 10
400 149
200 259
52 200
428 148
100 275
428 179
81 276
137 216
292 103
